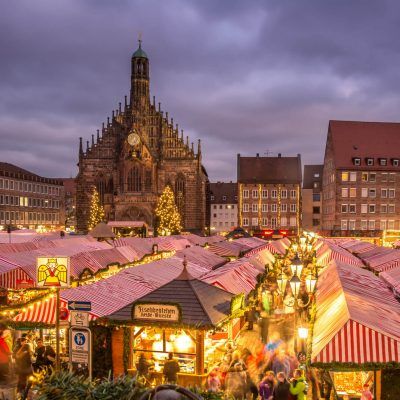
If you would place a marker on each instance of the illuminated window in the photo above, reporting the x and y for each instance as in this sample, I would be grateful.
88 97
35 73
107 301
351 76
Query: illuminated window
364 208
345 176
254 221
353 176
364 176
343 224
345 192
364 225
364 192
353 192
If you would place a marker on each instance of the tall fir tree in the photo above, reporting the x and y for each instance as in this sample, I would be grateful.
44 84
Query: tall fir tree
96 210
168 216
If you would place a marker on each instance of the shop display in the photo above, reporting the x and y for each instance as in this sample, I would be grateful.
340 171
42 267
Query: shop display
349 385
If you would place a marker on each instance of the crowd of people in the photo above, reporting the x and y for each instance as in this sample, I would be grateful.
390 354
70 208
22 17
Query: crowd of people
22 358
273 374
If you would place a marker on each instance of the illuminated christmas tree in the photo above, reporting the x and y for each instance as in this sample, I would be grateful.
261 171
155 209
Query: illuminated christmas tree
168 217
96 210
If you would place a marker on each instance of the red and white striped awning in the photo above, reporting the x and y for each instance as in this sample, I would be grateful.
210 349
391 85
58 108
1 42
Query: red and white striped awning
357 318
43 312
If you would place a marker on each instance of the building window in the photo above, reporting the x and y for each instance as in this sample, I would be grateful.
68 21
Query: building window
357 161
179 192
245 222
283 221
273 208
215 215
345 192
255 194
134 180
345 176
372 193
352 225
364 224
273 222
254 221
372 177
384 177
353 176
383 161
254 207
274 194
384 193
390 224
284 194
284 207
265 208
370 161
383 224
245 194
212 197
245 207
392 177
316 210
352 208
316 197
214 206
293 221
265 222
353 192
391 208
315 222
371 208
395 162
364 176
224 198
293 208
344 208
292 194
371 225
264 194
384 208
364 192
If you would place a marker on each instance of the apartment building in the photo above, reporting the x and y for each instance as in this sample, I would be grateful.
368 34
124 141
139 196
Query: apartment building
28 200
223 206
361 178
311 197
269 190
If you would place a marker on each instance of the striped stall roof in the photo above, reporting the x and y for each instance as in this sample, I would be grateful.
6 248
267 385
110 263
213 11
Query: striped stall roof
357 317
202 257
332 252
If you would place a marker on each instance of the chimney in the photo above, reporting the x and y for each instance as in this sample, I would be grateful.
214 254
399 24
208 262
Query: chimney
258 155
279 155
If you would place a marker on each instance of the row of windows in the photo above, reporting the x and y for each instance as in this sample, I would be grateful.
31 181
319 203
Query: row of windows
367 224
226 224
221 215
380 161
368 208
20 201
224 198
264 194
368 192
222 206
272 207
271 223
16 217
10 184
351 176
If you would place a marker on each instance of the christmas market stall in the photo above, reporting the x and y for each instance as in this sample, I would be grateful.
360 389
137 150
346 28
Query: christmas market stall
356 331
186 317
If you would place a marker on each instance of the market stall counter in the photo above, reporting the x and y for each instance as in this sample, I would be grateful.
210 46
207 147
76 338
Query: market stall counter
185 317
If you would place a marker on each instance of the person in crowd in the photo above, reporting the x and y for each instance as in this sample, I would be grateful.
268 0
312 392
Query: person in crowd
267 386
23 365
366 393
171 369
40 361
282 388
281 363
4 356
213 381
298 385
49 356
235 381
143 366
228 353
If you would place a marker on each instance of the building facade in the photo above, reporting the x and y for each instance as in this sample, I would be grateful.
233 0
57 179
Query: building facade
223 206
361 179
30 201
139 151
269 192
312 197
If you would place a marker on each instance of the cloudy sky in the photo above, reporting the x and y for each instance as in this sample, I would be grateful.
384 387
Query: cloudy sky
244 76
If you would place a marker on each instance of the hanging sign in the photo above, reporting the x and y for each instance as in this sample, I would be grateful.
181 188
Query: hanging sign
52 272
156 312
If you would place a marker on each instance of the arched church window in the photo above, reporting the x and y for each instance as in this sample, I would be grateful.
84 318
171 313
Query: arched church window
134 179
101 189
180 194
121 181
147 181
110 186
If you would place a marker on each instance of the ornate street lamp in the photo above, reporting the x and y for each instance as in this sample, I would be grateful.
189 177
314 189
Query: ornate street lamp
311 282
282 282
296 265
295 284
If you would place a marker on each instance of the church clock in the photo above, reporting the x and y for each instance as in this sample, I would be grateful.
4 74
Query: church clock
133 139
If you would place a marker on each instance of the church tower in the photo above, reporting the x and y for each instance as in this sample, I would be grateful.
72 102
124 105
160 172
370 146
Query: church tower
140 79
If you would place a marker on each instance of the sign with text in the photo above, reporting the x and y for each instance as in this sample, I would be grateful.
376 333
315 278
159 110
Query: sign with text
52 272
80 340
80 349
79 318
79 305
156 312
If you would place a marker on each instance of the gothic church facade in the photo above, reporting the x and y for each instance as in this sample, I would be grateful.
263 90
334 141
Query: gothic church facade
137 153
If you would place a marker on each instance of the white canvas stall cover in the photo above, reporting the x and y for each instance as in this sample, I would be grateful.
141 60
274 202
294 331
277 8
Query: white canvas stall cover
357 320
